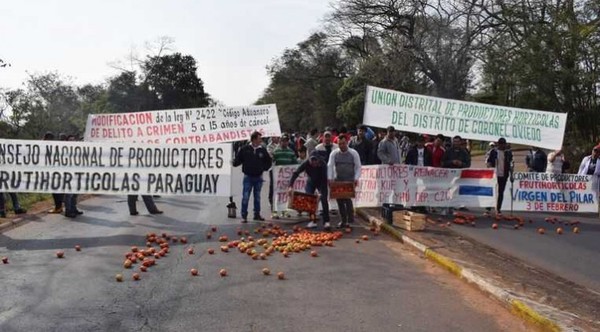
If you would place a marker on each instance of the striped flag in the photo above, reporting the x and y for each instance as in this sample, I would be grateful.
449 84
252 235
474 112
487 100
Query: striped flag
476 182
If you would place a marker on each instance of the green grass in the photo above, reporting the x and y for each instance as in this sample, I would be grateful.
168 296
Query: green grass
27 200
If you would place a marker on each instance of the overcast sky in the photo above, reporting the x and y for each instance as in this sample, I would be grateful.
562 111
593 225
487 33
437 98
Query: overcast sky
231 40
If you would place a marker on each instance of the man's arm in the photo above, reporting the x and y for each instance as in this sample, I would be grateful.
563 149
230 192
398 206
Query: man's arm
357 164
239 158
298 171
331 165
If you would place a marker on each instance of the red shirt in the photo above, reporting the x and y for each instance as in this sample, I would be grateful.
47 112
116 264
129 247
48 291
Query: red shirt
436 155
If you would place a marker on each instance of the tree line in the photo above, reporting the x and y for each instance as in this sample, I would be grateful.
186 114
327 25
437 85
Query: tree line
537 54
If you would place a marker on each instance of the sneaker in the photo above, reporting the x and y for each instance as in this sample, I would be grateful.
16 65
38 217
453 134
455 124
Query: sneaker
134 213
311 224
20 211
79 212
342 224
56 210
244 219
327 225
70 215
156 212
274 215
259 218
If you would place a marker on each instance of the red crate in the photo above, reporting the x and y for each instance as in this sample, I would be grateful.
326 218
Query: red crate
342 189
303 202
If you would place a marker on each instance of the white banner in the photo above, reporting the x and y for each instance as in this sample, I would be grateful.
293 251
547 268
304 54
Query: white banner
407 185
545 192
116 168
184 126
431 115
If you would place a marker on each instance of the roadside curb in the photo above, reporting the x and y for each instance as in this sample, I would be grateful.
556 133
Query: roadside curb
11 224
515 304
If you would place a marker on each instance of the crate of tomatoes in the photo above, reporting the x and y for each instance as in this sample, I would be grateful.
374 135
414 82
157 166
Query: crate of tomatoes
341 189
303 202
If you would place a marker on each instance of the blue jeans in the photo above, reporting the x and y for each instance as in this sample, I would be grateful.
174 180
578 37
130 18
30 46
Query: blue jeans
324 191
251 184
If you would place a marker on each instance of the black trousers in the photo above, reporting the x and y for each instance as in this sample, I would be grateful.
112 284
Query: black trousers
346 210
148 201
58 200
501 187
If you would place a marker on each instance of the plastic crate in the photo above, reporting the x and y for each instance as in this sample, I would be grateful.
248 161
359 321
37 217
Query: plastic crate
341 190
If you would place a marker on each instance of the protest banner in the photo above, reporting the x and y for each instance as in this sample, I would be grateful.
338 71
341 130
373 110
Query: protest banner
407 185
184 126
546 192
431 115
118 168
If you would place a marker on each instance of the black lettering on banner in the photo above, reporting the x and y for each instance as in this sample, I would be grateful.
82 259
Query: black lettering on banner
66 183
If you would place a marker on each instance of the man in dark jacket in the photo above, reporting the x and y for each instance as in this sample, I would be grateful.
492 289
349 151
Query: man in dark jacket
502 160
316 171
536 160
362 145
254 159
419 155
456 156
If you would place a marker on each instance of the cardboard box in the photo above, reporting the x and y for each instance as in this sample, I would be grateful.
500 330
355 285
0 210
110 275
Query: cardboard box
341 189
410 221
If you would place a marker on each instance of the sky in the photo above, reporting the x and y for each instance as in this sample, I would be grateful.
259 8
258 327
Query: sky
232 40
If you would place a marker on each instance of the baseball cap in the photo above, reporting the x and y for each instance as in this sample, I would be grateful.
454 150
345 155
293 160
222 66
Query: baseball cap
492 144
502 140
285 136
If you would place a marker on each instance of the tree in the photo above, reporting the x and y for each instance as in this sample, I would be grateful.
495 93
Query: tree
304 84
174 80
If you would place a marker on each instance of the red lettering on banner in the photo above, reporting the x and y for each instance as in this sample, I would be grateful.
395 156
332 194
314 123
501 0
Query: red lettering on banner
565 207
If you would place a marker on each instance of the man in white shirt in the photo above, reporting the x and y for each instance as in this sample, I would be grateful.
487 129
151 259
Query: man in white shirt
344 165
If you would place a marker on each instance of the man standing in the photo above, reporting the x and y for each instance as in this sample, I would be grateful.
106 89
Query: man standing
388 150
590 165
254 159
501 159
362 145
419 155
536 160
316 171
312 141
328 146
456 156
344 165
437 151
282 155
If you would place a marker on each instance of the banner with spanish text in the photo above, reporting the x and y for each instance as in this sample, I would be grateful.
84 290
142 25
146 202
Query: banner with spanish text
546 192
184 126
407 185
432 115
117 168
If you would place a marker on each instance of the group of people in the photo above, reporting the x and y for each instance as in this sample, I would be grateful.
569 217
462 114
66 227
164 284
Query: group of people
326 157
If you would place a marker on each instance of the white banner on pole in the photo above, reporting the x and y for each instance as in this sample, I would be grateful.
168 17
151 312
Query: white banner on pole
546 192
432 115
117 168
184 126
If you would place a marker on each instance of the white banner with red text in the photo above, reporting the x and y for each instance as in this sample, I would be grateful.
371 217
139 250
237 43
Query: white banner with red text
546 192
184 126
407 185
116 168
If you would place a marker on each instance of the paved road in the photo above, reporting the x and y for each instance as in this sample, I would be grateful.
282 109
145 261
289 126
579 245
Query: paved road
571 256
377 285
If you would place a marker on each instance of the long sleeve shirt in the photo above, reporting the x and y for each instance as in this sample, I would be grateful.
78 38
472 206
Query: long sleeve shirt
344 166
